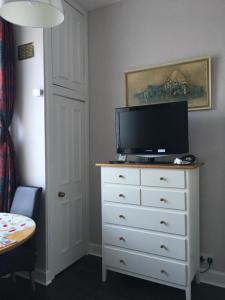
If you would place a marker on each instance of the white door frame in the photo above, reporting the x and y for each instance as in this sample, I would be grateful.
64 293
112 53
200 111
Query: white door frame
48 273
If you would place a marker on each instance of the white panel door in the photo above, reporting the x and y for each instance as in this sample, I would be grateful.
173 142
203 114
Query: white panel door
68 177
68 51
61 51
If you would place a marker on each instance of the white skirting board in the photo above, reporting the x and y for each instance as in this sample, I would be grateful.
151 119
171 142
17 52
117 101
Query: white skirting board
95 249
40 276
214 278
211 277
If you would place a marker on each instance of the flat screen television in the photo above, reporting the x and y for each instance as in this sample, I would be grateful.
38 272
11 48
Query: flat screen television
152 130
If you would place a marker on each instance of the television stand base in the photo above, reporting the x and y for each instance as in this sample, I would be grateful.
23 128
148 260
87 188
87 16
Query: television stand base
165 159
150 162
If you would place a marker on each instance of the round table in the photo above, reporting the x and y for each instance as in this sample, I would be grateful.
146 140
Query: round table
15 227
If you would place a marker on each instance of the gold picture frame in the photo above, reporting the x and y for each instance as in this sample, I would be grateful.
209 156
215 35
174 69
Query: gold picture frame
183 80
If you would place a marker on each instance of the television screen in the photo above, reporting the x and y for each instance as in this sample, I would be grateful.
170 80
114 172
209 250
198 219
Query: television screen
157 129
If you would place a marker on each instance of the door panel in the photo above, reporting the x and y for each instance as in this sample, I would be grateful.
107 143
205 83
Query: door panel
68 175
76 24
76 221
60 50
77 144
63 144
68 51
64 225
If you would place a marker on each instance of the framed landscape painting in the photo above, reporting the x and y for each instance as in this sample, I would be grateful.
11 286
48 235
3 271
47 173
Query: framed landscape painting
188 80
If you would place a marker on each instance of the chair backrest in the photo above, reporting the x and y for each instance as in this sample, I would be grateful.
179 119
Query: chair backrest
26 201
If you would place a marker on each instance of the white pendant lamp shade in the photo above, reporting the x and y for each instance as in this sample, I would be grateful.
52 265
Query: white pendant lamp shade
42 13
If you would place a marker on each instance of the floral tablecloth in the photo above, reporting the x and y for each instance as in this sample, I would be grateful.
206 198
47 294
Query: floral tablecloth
11 223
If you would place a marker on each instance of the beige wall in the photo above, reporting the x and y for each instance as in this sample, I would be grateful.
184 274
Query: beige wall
133 34
28 121
28 126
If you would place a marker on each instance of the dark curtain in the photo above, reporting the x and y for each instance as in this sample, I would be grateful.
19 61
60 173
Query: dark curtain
7 96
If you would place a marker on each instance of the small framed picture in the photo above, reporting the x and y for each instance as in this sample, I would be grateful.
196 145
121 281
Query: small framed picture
185 80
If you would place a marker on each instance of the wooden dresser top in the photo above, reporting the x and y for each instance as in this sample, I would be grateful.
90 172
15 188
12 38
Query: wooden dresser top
149 166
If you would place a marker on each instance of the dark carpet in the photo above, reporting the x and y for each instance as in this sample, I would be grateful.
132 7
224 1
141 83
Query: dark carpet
82 281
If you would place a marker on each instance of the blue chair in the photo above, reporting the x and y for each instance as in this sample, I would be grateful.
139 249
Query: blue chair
25 202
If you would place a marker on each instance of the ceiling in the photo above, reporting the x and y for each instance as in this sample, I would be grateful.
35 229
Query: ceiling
93 4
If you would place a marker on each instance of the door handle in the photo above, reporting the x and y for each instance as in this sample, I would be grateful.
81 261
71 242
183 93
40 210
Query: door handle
61 194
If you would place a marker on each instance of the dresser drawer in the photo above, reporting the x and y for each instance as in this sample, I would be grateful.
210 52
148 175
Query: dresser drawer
121 194
145 218
145 265
121 176
163 178
163 198
139 240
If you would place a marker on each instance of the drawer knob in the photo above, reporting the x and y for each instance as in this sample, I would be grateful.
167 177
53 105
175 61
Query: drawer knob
162 200
122 239
163 222
122 262
121 195
121 176
163 272
163 247
162 178
122 217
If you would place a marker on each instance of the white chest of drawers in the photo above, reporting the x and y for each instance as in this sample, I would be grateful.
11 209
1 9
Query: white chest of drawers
150 222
